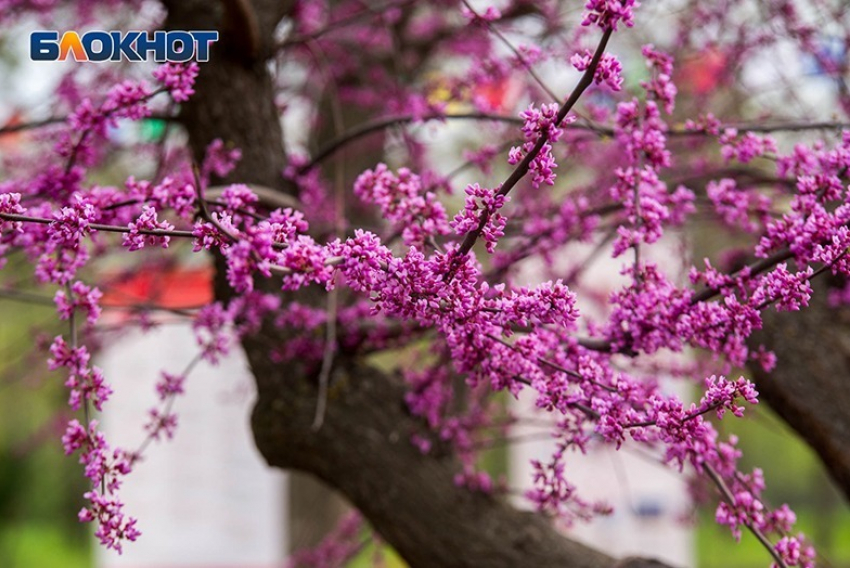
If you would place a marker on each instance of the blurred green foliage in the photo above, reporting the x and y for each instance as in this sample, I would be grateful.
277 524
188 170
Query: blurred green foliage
793 474
370 556
43 545
40 489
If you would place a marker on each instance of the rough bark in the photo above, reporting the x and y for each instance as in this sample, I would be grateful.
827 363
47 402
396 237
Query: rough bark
808 388
363 448
235 96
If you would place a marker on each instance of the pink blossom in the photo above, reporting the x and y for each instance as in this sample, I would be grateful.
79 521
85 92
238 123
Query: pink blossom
609 13
487 202
138 237
169 385
178 78
608 71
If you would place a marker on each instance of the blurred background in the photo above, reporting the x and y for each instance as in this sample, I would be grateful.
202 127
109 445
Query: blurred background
272 514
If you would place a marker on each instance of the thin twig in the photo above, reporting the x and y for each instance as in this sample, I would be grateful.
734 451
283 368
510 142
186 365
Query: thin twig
327 361
523 167
727 496
382 123
34 124
202 205
167 408
495 31
100 227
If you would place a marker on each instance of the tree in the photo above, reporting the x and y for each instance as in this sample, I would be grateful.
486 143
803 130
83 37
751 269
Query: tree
375 258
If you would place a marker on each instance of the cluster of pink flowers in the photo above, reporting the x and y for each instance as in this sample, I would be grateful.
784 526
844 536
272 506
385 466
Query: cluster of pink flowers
607 14
104 466
540 124
219 160
648 206
661 87
403 201
608 72
178 78
60 248
737 207
555 495
482 202
105 469
86 383
143 231
167 194
82 297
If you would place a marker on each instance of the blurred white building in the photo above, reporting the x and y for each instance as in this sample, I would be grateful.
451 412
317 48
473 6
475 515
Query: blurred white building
648 499
205 499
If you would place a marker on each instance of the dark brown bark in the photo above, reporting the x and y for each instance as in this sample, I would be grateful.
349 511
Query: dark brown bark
363 449
235 97
809 387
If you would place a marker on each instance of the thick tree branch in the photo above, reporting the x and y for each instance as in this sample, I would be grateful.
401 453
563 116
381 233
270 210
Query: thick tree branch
808 388
363 450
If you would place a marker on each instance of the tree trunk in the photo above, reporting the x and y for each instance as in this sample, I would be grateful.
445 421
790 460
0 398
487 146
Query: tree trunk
809 387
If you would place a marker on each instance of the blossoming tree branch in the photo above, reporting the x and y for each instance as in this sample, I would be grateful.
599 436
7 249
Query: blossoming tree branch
351 240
